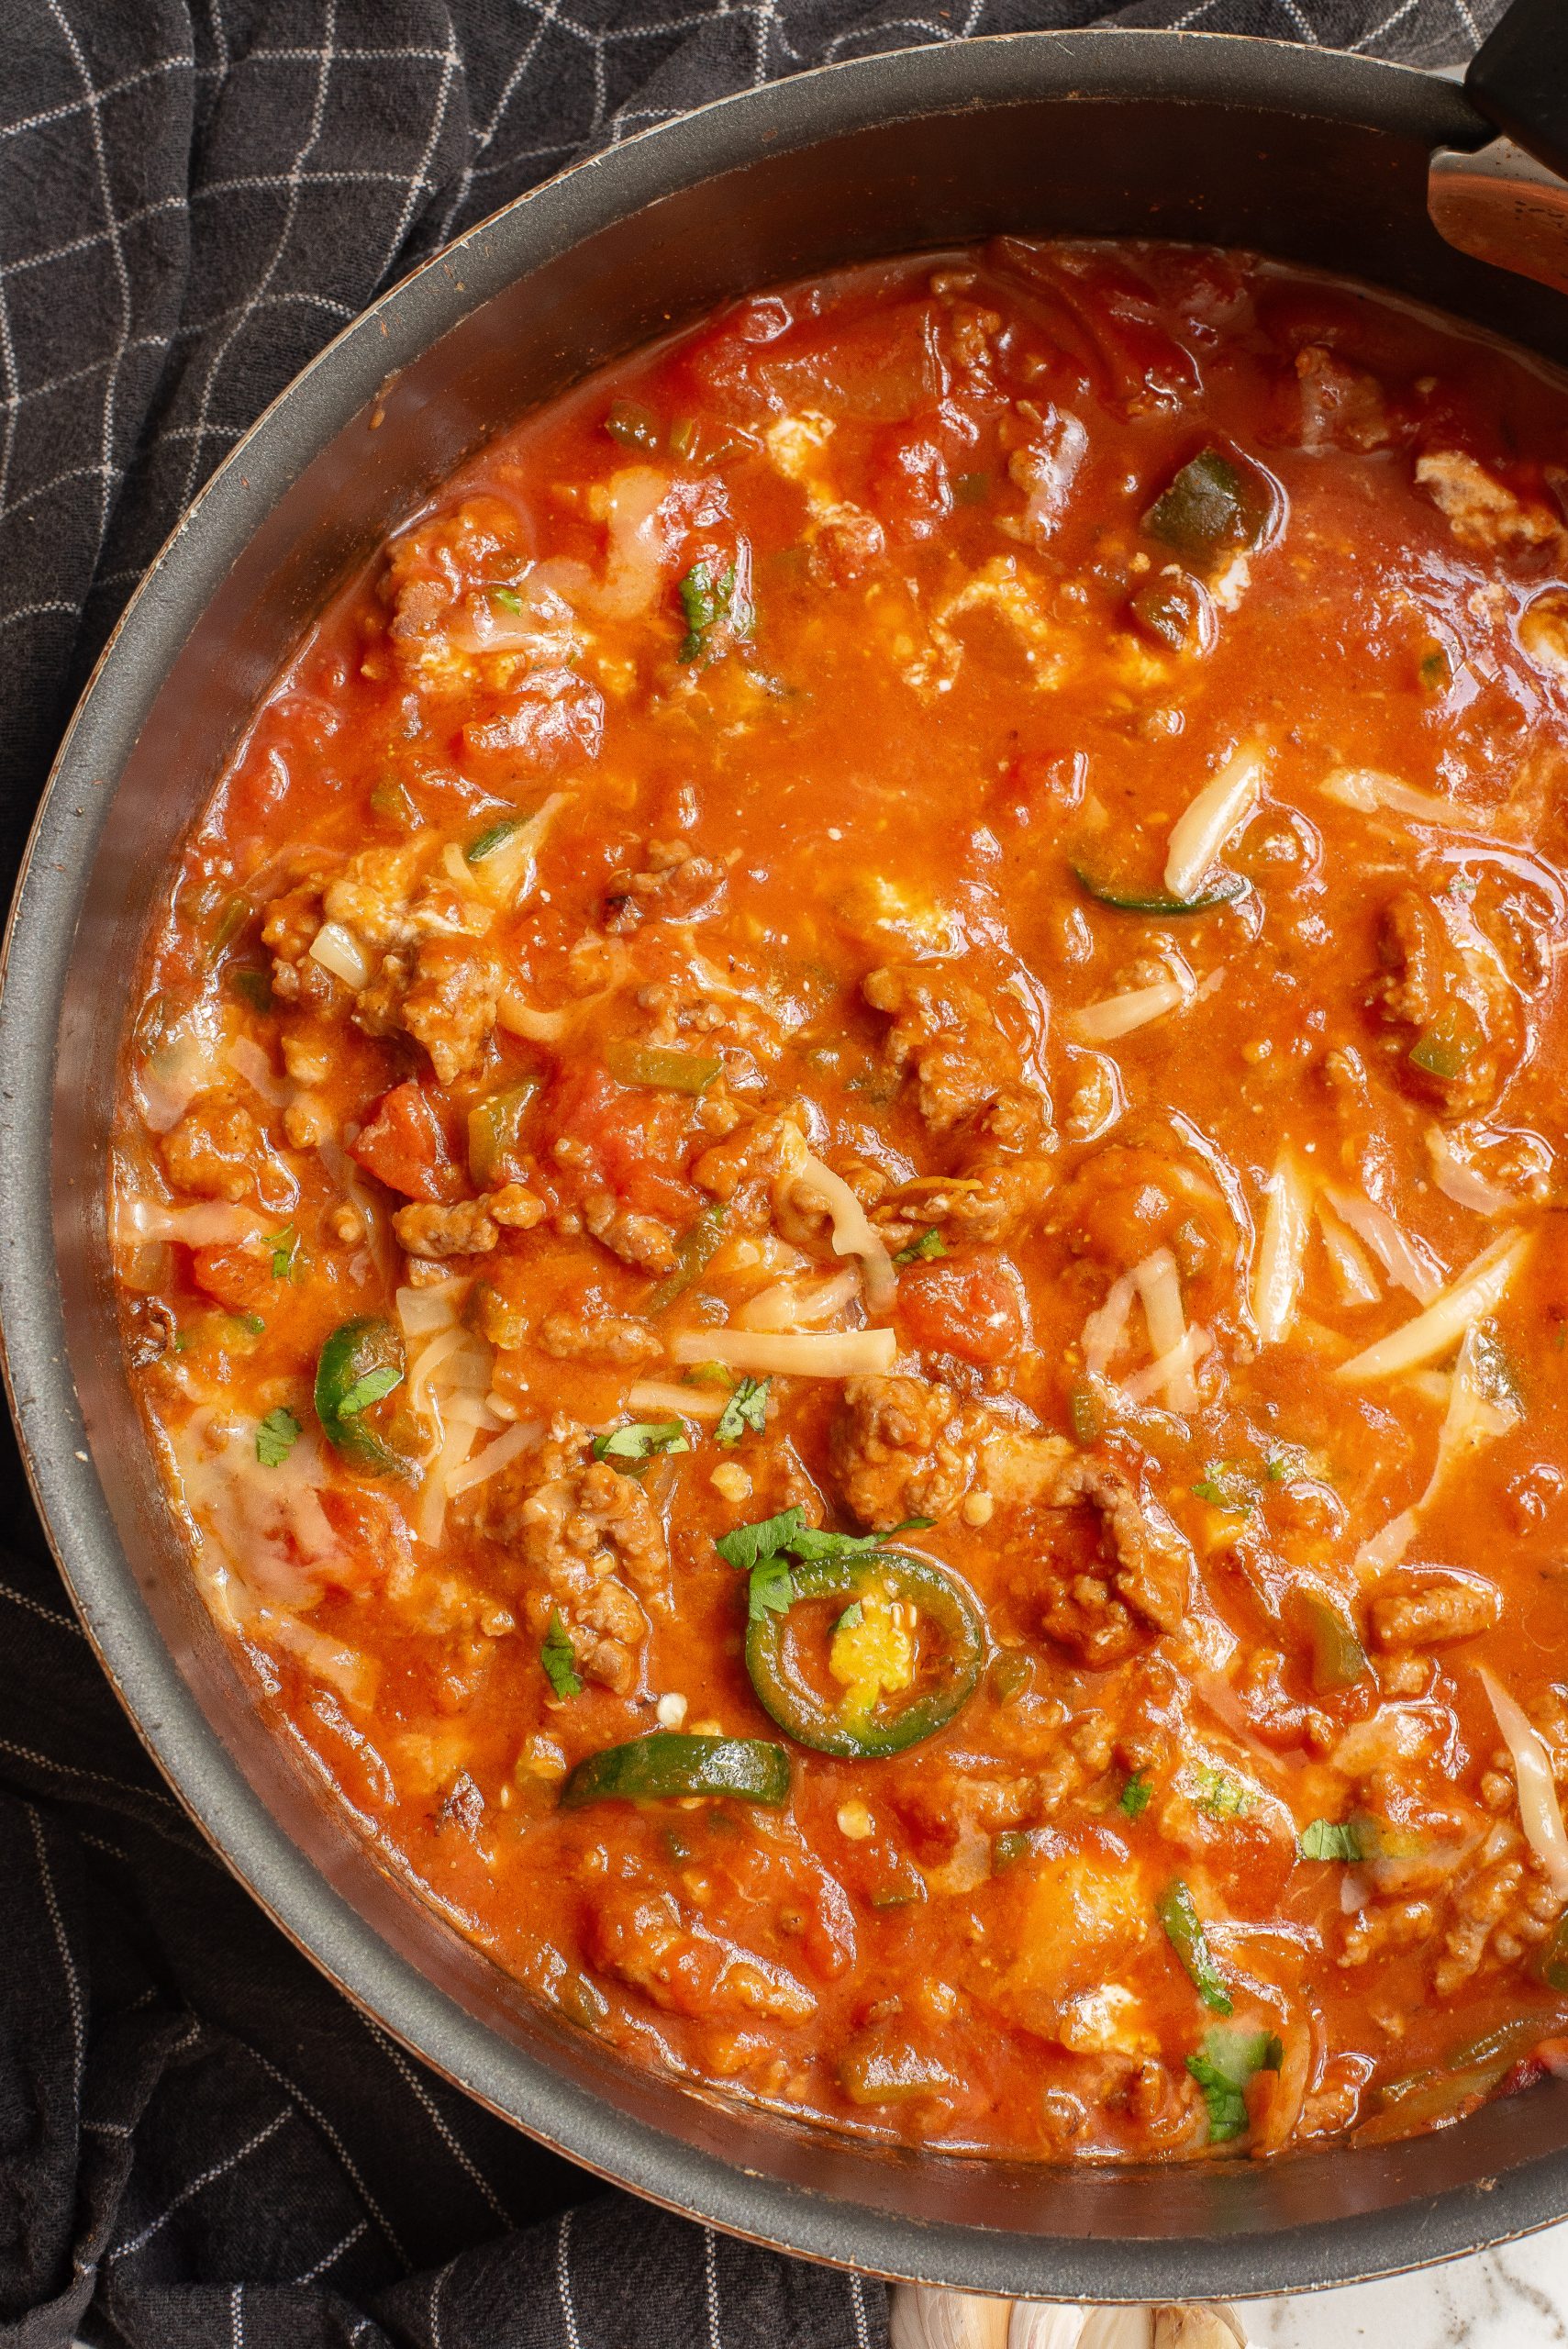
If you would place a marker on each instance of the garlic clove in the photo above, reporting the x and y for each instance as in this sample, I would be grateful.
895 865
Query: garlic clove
931 2319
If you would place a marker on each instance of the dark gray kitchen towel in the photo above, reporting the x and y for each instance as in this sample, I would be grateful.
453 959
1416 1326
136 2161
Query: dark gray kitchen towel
202 2146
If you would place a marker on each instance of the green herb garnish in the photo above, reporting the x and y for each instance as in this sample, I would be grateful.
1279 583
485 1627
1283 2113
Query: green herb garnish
1329 1839
1227 2060
711 600
276 1437
1135 1797
285 1245
639 1440
1219 1793
747 1408
1184 1930
369 1389
930 1244
559 1658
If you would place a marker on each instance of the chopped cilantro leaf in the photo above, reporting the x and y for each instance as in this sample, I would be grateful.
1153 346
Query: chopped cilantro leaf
709 1373
1218 1792
746 1547
1135 1797
1184 1930
508 597
711 599
747 1408
1227 1484
559 1658
809 1543
276 1437
369 1389
1227 2060
1329 1839
1284 1466
851 1619
639 1440
772 1590
930 1244
285 1245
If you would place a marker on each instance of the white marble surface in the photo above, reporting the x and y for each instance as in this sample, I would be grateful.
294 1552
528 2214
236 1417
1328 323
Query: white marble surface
1513 2299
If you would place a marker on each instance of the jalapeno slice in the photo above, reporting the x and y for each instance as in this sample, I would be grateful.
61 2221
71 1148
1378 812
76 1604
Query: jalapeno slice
862 1727
360 1363
669 1764
1157 903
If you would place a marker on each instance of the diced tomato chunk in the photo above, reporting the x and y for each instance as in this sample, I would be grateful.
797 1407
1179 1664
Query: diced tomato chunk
911 490
631 1134
404 1144
232 1276
970 1306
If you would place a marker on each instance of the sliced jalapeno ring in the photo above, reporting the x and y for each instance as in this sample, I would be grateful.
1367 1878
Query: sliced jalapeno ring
865 1731
361 1363
1157 903
669 1764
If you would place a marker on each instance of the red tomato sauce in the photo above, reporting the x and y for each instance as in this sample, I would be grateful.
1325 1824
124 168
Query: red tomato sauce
838 1201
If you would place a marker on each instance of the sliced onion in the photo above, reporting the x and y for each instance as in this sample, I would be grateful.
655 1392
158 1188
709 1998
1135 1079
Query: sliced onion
520 1018
828 1353
794 1304
1220 809
1172 1374
1353 1276
184 1062
338 951
853 1232
1541 1813
1446 1319
1408 1261
246 1056
1369 789
1458 1180
1118 1015
506 876
1105 1328
205 1223
422 1311
1281 1251
638 544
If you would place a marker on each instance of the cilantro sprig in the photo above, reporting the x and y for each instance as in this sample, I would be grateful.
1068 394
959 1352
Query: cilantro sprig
929 1244
631 1447
276 1436
715 602
559 1658
764 1549
1227 2059
746 1409
1330 1839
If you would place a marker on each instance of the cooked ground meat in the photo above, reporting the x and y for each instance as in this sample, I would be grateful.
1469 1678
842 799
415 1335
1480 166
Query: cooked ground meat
676 886
219 1151
965 1070
466 1229
1459 1019
902 1448
598 1337
1150 1567
583 1532
1433 1613
1483 512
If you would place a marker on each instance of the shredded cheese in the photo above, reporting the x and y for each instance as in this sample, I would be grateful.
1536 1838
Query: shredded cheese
1448 1317
828 1353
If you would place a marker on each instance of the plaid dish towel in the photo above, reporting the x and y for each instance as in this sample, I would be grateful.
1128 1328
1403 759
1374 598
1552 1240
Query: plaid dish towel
202 2146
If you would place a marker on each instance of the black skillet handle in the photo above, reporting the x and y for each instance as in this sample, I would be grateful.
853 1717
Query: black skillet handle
1518 79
